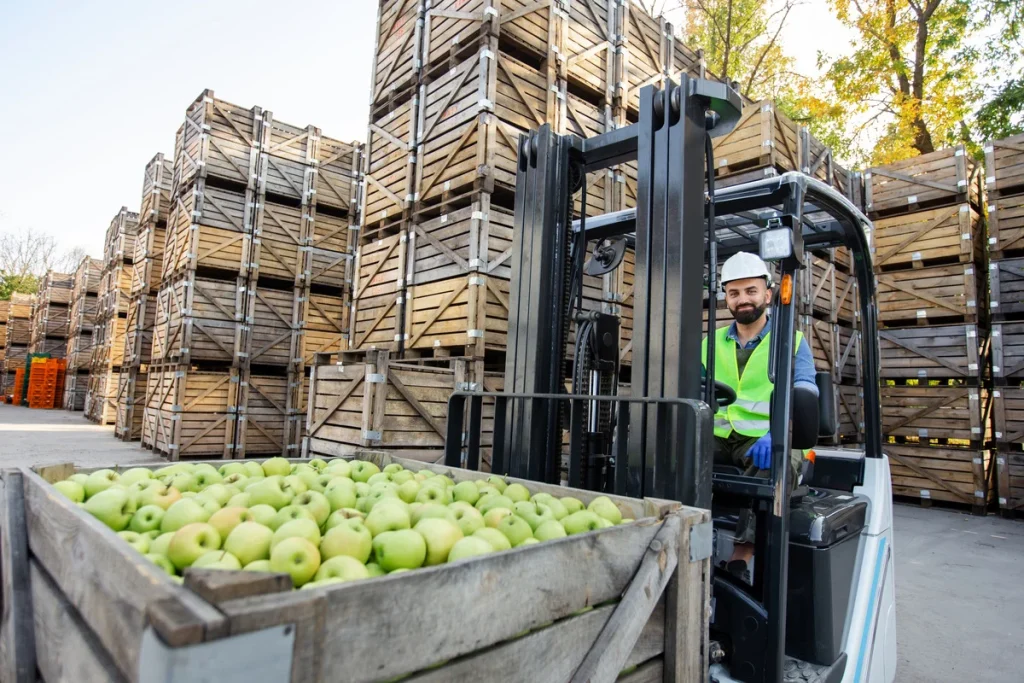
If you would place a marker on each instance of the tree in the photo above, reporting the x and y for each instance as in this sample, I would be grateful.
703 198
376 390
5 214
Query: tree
1002 113
27 255
741 42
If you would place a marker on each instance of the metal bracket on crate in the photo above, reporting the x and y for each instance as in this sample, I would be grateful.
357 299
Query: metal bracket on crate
267 655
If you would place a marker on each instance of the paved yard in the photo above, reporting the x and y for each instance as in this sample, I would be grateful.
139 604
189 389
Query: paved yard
959 578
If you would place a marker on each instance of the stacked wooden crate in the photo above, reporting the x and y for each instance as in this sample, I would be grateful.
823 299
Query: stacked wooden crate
145 272
4 308
111 317
254 281
51 316
84 306
929 255
19 337
1004 161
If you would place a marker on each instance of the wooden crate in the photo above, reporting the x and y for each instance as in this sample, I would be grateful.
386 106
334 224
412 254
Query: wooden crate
476 238
217 140
948 176
108 343
454 28
101 397
589 49
115 287
1010 482
928 296
76 385
287 157
118 617
51 321
55 348
835 347
56 288
1008 353
276 317
850 407
19 331
933 413
131 403
465 315
586 120
1004 166
271 417
377 293
285 234
1008 412
1006 227
79 350
944 352
325 326
20 306
763 137
396 59
138 340
817 161
148 260
156 191
827 291
119 242
683 59
950 234
199 319
338 168
951 475
209 228
472 117
389 166
643 54
190 413
1006 286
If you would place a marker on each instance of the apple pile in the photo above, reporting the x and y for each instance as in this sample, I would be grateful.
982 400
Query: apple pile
322 522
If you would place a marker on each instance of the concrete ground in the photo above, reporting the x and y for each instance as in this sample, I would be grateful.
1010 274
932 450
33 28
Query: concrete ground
958 577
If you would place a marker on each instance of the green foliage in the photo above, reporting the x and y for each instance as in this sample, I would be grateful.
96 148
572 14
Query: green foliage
10 283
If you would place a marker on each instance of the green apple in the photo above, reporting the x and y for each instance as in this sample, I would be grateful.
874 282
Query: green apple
296 557
469 547
350 538
440 535
342 567
100 480
305 471
557 508
409 490
572 504
130 476
271 491
495 538
112 506
529 541
217 559
259 566
339 467
580 522
207 475
388 517
219 493
467 517
339 516
146 518
602 506
171 470
226 519
604 523
402 549
400 478
486 490
71 490
313 585
262 514
379 478
290 513
316 503
253 469
237 480
627 520
158 546
135 540
373 569
431 511
151 534
185 511
466 492
490 502
294 483
497 482
516 529
535 514
276 466
517 493
341 493
183 481
161 496
434 494
162 562
493 517
249 542
361 471
303 528
211 506
426 474
318 463
440 478
362 489
320 482
392 468
239 500
549 530
79 478
231 469
191 541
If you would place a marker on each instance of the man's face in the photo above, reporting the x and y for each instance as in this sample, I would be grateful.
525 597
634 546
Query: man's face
747 299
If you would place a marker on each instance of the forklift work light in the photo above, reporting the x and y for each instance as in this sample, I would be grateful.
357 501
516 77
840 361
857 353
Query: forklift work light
776 244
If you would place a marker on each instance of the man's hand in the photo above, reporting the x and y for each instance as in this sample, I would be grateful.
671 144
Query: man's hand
761 452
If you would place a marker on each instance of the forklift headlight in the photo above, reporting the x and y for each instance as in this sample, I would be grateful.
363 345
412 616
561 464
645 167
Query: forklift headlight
776 244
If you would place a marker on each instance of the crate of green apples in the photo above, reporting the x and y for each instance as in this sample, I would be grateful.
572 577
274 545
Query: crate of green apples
377 567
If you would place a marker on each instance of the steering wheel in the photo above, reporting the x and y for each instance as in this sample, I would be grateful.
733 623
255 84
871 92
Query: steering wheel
725 395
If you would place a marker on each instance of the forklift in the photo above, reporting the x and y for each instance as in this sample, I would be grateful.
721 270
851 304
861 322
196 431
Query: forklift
820 601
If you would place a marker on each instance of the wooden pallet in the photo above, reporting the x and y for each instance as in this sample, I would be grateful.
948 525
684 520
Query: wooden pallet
1004 166
199 319
930 412
946 177
945 352
1006 285
218 140
1006 227
396 62
763 137
210 228
1008 352
467 314
389 167
131 401
952 475
115 616
929 296
377 293
643 52
190 413
952 234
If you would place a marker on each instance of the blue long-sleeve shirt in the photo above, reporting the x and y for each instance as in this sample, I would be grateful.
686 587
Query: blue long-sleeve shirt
803 366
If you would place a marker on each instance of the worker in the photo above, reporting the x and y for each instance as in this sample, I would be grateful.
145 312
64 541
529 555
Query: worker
742 436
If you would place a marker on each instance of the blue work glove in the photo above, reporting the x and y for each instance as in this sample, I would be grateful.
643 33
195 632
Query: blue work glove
761 452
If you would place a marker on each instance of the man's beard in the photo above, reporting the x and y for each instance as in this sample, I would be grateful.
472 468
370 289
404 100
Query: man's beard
746 316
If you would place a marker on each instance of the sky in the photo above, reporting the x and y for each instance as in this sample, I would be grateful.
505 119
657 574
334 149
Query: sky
93 89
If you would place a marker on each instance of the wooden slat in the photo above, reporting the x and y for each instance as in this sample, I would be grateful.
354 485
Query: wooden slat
17 636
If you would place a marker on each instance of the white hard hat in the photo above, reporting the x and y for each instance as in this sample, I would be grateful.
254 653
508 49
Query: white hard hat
743 265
